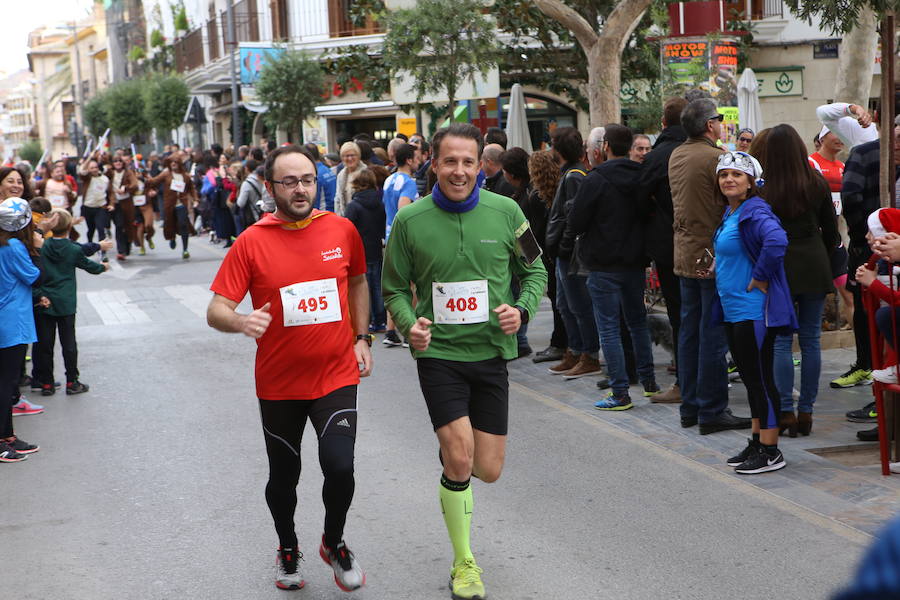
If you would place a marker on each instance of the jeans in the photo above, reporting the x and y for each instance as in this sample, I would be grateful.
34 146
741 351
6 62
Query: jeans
702 370
611 292
558 338
671 290
377 314
96 219
574 304
809 313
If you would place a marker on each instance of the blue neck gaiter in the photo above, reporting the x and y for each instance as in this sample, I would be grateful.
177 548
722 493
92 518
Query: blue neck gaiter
457 207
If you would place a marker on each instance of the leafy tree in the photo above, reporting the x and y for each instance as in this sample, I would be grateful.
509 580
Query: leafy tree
291 86
840 16
125 108
166 98
602 29
31 151
440 43
355 62
157 39
95 114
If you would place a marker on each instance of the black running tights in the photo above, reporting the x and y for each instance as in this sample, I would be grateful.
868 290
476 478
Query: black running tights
283 423
752 346
10 360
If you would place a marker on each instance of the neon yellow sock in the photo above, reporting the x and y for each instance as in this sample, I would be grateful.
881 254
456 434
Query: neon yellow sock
456 504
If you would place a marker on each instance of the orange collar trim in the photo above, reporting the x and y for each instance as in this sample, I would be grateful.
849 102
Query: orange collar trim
305 222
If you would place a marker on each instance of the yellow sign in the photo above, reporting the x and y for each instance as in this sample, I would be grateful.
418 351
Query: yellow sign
730 113
406 126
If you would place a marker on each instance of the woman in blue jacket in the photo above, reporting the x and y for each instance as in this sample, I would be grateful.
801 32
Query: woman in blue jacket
754 301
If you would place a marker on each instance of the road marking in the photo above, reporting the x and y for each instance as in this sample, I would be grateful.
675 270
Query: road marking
114 307
807 514
194 297
119 272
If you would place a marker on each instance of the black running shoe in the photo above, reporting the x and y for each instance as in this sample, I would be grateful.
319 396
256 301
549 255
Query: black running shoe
36 387
23 447
9 454
866 414
761 462
76 387
391 339
736 461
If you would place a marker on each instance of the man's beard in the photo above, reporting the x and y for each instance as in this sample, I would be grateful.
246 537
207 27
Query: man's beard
288 210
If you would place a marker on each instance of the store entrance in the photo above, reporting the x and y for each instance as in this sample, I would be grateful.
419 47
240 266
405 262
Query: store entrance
381 129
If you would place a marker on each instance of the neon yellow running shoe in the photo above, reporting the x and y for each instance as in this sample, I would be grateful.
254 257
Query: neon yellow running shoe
854 376
465 581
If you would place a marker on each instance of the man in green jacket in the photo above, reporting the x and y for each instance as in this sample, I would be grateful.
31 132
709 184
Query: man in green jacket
459 248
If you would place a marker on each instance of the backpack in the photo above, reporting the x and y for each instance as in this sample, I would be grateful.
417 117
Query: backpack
251 211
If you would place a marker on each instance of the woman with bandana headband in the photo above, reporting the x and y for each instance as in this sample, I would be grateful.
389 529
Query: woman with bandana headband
18 272
754 301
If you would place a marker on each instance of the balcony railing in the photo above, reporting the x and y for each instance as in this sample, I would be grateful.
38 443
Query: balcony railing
756 10
189 51
340 25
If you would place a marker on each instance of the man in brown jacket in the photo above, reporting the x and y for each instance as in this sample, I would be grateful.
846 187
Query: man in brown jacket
702 370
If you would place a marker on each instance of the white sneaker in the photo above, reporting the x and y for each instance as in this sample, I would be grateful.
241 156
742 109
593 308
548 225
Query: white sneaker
895 467
348 575
287 569
885 375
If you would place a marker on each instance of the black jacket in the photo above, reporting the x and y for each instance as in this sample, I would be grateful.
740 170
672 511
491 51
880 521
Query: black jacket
606 213
366 212
560 240
656 195
498 184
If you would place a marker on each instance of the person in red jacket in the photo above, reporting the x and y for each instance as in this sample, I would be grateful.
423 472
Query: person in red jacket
881 222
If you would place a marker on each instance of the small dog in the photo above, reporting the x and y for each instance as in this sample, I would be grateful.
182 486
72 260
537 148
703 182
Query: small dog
661 332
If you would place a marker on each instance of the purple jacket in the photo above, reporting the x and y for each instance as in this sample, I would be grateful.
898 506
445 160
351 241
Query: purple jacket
765 242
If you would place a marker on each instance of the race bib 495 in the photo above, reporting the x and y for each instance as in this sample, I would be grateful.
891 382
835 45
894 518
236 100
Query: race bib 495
311 302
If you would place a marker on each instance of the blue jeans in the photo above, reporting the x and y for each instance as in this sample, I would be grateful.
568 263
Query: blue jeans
702 370
377 314
574 305
610 293
809 313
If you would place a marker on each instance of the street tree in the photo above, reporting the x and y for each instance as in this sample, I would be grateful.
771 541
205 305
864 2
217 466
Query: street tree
125 109
166 99
31 151
95 114
440 44
857 21
291 85
602 38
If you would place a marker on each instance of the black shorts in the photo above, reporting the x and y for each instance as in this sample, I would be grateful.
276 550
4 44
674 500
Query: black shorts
478 390
334 413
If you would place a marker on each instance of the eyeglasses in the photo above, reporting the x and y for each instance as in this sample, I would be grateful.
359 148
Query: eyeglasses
291 182
718 117
745 140
736 159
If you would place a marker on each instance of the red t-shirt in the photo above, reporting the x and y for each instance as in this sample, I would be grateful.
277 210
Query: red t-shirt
832 170
304 273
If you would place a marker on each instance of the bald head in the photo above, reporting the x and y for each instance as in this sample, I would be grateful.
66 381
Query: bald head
490 159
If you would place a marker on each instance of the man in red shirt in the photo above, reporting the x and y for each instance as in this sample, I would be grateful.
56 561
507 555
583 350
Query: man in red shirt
305 272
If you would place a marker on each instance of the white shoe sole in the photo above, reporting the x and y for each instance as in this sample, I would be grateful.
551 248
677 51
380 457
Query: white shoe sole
765 469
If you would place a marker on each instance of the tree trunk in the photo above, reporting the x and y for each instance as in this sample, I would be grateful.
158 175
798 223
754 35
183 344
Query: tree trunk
603 51
857 61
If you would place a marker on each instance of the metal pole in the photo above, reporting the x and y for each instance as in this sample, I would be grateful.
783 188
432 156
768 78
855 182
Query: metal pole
886 156
237 137
79 92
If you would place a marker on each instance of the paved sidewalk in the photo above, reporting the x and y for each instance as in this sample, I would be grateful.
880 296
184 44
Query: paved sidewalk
843 482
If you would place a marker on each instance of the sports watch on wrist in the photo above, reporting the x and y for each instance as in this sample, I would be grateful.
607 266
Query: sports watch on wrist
368 337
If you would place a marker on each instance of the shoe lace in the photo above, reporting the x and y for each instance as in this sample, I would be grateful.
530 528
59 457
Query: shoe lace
469 572
289 559
343 556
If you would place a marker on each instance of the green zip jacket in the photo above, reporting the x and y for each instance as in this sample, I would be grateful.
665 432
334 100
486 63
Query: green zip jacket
60 258
429 245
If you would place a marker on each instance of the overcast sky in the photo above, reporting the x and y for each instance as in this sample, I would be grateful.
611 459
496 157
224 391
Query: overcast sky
27 16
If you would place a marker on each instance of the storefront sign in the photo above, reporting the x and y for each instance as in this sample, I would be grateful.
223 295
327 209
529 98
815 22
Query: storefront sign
406 125
783 82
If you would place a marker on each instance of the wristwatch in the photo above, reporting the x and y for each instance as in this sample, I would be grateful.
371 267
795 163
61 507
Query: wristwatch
366 336
524 314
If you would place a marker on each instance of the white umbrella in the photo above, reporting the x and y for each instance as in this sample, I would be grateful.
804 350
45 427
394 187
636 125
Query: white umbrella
517 135
748 101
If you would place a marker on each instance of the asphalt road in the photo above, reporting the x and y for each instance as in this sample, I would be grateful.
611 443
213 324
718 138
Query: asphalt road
150 486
